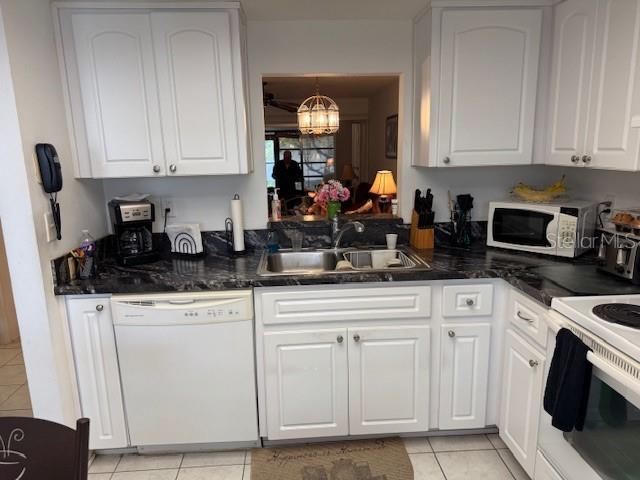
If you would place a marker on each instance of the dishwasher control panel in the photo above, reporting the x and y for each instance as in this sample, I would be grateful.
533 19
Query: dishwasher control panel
181 309
230 312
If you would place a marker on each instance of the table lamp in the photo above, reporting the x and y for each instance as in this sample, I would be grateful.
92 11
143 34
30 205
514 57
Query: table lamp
384 185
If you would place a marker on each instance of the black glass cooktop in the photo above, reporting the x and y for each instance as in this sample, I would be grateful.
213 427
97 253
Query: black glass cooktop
585 280
620 313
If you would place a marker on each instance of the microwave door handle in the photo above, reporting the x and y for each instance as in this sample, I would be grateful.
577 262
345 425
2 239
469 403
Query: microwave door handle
552 233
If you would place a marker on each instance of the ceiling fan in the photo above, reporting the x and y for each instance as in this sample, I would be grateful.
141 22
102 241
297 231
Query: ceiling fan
269 100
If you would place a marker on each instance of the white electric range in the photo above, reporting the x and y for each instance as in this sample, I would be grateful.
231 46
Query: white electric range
608 446
611 318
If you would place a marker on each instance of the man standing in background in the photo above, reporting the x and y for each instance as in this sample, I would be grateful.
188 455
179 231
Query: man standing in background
288 176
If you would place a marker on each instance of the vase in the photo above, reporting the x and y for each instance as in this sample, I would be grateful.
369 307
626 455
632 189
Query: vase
333 209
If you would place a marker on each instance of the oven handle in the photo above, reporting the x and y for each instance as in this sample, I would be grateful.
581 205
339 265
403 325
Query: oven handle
627 381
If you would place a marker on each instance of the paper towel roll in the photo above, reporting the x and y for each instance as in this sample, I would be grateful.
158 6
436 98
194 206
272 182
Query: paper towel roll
238 224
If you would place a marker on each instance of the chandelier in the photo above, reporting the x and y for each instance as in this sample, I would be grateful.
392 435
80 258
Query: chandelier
318 115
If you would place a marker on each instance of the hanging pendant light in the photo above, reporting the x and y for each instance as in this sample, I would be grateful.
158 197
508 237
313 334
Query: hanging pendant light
318 115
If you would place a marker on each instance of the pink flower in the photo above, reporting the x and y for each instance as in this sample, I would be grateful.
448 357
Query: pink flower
332 191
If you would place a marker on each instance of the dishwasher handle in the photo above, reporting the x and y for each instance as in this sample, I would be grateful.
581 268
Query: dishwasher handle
175 304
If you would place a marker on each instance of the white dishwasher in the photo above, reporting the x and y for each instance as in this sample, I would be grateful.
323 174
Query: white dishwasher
187 367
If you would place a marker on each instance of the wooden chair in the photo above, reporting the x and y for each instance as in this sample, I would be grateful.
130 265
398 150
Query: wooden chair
34 449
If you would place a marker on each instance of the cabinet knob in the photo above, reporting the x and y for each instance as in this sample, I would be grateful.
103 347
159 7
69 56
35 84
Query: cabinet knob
446 160
452 333
99 307
340 339
356 338
470 302
575 158
586 158
173 168
533 363
156 169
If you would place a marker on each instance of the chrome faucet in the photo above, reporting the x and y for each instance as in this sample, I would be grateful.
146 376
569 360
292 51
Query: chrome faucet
337 232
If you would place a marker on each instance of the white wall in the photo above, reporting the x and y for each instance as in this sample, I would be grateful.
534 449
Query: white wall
590 184
31 70
381 105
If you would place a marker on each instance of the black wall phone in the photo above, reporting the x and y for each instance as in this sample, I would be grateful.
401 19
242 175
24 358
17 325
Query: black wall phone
51 174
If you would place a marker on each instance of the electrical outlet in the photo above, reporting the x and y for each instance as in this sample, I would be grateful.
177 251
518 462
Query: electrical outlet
49 227
167 203
610 197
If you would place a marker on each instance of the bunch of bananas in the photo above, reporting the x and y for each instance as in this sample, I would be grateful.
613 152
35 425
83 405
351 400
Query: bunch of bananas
531 194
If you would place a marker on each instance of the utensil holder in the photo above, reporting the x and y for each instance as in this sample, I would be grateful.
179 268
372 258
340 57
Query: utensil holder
420 238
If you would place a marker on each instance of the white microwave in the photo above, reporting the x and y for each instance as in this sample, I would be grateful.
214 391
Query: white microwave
564 230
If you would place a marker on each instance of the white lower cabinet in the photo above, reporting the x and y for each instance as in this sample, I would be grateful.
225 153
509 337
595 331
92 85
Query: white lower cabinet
464 375
335 382
96 362
523 372
388 379
306 380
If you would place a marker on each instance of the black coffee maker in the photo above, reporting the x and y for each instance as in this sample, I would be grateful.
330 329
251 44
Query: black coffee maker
132 228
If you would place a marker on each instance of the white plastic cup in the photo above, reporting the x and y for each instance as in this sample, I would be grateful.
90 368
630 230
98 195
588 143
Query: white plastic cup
392 240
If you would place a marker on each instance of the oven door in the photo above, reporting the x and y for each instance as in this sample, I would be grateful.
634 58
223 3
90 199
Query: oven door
609 445
530 228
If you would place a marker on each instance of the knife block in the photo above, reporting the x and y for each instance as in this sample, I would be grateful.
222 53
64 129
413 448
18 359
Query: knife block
422 239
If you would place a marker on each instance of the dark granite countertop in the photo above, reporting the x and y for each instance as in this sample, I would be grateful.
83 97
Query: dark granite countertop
538 276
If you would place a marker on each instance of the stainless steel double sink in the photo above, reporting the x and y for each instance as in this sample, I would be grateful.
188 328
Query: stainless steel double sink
347 260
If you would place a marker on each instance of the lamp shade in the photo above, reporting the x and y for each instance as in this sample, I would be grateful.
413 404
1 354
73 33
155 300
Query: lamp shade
348 173
384 184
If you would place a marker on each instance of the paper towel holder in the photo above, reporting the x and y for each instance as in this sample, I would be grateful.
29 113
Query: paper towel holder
228 231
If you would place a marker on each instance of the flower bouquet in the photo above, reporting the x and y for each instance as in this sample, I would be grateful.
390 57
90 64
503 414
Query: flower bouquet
330 195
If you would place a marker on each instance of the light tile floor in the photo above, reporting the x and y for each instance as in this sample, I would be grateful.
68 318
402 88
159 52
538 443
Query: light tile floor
477 457
14 391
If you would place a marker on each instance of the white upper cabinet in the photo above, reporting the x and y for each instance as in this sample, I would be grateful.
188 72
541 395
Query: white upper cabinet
119 95
595 97
574 34
155 93
476 81
613 134
197 92
488 85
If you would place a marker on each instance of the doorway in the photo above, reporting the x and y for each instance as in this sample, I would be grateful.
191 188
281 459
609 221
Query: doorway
14 392
365 143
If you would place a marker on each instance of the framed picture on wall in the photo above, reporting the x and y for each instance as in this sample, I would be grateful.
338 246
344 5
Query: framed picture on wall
391 137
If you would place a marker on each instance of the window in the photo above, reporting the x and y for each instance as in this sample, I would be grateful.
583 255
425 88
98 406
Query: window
311 152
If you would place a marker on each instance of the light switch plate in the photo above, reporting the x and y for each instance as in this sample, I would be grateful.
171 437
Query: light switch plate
36 168
49 227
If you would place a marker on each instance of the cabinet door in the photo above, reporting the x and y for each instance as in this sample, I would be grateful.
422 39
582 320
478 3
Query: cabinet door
388 380
306 382
464 375
488 85
198 90
613 138
523 372
96 361
574 36
119 94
